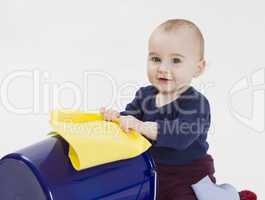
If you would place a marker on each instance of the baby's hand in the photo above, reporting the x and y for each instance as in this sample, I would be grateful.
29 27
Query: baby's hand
130 122
126 122
109 115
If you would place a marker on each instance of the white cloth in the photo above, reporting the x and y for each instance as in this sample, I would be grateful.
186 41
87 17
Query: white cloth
205 189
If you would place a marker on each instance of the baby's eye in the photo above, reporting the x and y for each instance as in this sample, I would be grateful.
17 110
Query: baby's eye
155 59
176 60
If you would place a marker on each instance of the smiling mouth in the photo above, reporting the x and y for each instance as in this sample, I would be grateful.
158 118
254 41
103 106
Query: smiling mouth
163 80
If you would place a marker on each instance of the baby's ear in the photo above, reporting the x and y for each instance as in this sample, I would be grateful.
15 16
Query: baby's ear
200 67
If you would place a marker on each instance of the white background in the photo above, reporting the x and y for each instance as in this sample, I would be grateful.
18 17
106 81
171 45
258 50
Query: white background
61 39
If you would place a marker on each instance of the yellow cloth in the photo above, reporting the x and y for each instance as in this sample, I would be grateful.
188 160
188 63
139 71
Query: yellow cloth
93 141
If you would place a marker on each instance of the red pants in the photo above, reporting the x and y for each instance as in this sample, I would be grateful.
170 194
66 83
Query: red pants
174 182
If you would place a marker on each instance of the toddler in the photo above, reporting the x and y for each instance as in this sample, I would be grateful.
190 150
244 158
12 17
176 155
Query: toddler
171 113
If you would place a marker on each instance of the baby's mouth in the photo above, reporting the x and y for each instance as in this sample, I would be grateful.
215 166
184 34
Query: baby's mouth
163 80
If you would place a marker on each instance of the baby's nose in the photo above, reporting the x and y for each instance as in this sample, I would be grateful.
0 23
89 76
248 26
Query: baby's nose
163 68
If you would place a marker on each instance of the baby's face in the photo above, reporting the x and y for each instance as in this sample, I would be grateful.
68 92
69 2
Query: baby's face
173 59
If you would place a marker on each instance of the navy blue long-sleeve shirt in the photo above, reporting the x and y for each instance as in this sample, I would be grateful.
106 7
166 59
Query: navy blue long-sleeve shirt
183 124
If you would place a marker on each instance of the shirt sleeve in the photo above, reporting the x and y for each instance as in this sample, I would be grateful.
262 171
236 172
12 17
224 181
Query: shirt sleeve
181 132
134 107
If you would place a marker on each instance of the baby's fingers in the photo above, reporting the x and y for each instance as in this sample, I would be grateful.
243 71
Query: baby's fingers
108 115
111 115
125 126
115 115
102 110
125 129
